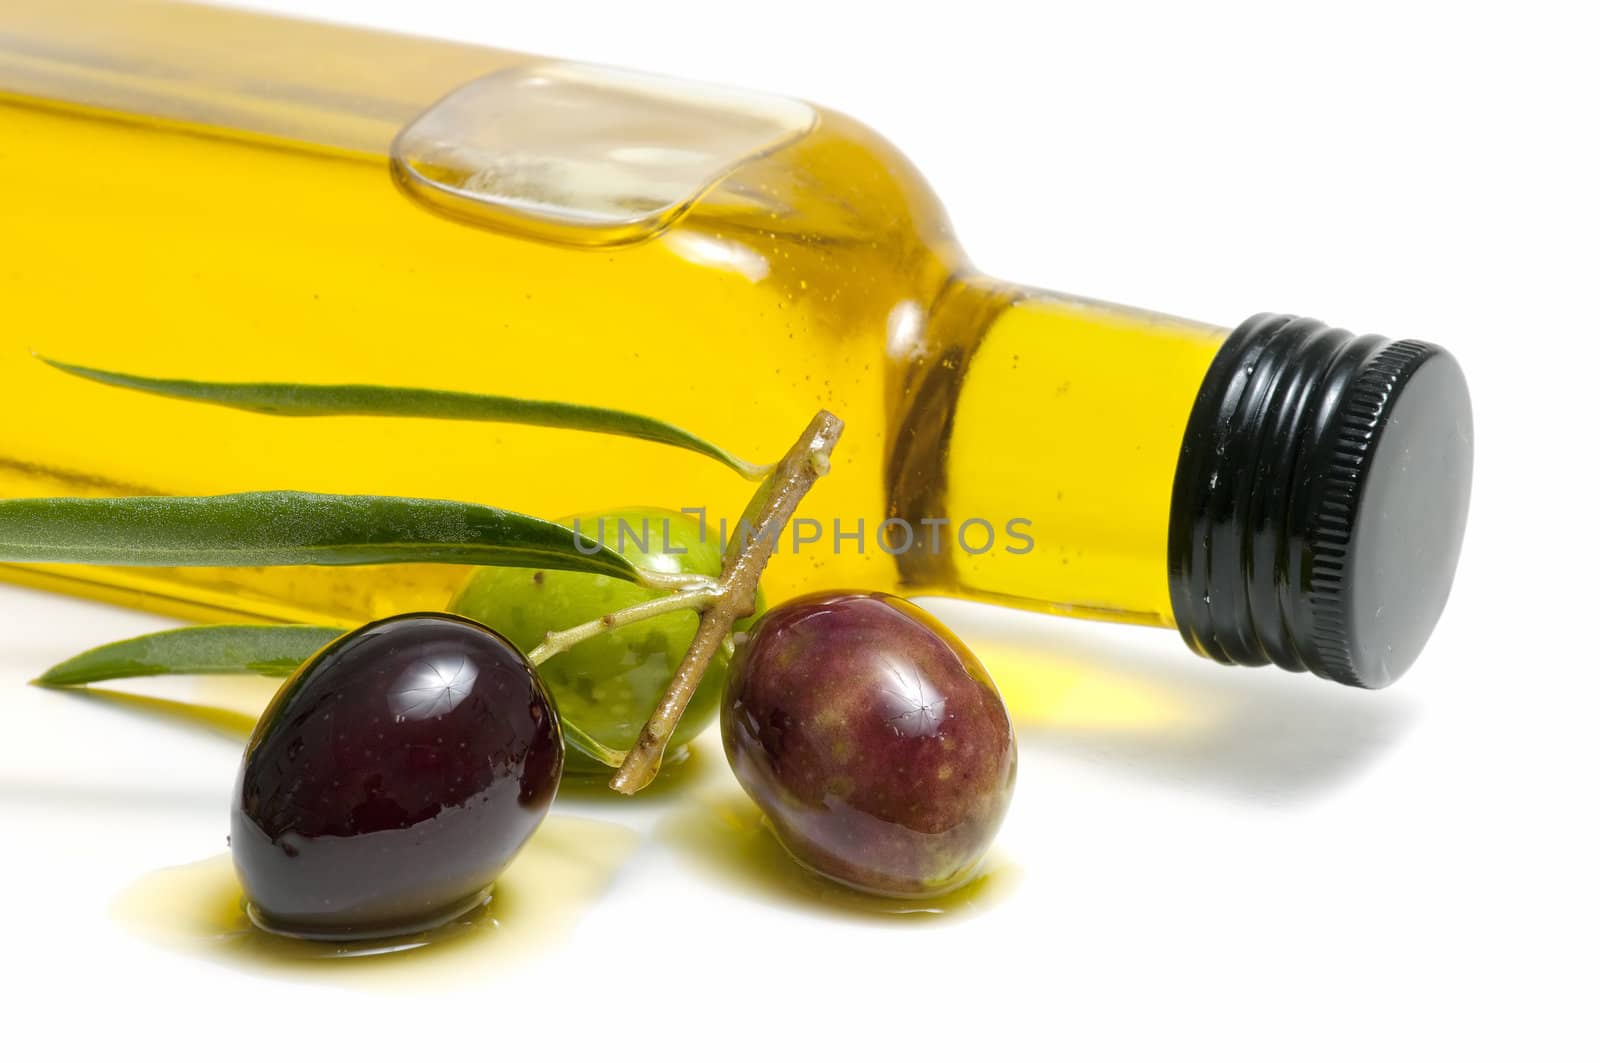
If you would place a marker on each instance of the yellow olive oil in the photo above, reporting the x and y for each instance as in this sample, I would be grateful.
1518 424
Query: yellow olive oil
198 909
187 218
722 832
217 195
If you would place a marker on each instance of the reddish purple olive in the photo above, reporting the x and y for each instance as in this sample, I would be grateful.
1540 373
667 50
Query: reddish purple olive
873 740
392 778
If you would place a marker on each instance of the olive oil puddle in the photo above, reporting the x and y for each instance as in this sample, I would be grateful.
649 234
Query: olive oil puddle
198 908
725 833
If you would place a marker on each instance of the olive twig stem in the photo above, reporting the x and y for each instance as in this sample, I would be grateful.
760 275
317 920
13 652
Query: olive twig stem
557 641
743 561
676 581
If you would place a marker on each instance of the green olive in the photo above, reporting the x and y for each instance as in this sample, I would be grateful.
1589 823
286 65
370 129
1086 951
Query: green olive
608 685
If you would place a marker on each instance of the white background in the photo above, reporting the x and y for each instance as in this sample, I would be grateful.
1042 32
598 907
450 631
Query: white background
1274 868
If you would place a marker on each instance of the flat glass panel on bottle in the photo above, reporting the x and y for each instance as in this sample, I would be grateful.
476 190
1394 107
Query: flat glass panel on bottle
584 154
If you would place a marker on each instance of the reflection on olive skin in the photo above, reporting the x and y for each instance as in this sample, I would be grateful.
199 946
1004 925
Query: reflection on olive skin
872 739
392 778
432 687
909 705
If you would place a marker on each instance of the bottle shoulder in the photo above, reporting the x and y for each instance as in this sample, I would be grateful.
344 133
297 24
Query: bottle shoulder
840 182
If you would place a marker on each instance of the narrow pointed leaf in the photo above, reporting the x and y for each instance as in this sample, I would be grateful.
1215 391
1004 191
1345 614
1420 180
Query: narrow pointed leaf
363 400
217 649
292 528
235 649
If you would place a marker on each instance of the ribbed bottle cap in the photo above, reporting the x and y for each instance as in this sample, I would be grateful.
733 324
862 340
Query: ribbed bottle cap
1320 500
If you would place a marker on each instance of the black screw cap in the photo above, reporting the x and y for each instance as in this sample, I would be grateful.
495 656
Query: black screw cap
1320 500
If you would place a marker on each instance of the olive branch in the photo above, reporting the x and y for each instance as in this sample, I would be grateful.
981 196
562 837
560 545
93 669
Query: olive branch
300 528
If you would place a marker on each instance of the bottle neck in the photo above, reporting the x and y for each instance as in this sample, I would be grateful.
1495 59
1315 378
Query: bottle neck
1036 462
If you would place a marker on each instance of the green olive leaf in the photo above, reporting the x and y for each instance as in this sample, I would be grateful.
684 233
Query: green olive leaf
213 649
295 528
363 400
236 649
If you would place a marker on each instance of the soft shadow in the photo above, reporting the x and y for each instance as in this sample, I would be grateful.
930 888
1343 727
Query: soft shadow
231 723
97 798
1257 734
562 872
723 832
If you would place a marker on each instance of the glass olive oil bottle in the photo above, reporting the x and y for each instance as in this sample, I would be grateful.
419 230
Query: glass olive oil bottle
206 194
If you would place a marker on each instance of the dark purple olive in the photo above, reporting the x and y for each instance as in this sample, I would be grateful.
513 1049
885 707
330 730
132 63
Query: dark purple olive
392 779
873 740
